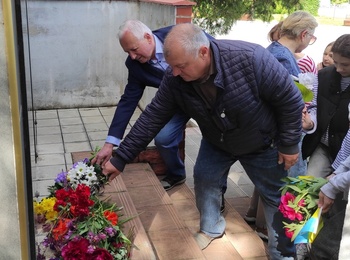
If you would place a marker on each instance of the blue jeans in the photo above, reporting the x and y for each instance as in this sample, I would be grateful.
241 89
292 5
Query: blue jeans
301 166
213 164
167 142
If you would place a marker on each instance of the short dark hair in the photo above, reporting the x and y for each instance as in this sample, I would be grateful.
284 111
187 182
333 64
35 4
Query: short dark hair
342 46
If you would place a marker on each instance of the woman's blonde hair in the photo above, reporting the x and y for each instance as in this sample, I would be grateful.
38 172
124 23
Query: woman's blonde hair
296 23
274 33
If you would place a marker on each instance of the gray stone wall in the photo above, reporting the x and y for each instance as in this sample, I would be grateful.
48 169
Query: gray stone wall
75 56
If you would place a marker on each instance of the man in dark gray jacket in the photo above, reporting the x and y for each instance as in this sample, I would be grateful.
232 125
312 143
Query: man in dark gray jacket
247 108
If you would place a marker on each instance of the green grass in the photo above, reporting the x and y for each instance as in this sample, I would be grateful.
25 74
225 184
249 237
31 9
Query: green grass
330 20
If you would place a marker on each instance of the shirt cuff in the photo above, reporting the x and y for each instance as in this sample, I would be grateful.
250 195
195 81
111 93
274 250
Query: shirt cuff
113 140
313 118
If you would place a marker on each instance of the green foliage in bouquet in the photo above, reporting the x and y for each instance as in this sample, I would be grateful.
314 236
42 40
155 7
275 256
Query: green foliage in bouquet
299 202
305 83
306 93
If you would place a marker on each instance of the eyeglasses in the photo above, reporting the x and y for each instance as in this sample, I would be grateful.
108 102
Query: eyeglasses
313 38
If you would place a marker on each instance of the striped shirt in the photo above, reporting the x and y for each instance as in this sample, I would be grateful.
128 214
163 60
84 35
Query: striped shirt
307 64
344 151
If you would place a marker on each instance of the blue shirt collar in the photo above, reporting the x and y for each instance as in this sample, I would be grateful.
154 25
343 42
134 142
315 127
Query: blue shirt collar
160 60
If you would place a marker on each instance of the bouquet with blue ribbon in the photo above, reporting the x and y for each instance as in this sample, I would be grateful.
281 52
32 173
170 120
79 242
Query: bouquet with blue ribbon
298 205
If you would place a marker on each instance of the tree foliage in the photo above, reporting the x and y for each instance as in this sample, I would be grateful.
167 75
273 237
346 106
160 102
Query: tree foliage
338 2
311 6
218 16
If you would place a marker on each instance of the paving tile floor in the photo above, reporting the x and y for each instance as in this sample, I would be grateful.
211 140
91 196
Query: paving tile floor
63 131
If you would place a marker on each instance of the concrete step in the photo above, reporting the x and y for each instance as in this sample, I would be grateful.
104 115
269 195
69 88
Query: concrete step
171 218
169 235
117 193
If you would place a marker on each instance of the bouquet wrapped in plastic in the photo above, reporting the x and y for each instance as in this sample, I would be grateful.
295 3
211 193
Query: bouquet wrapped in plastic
299 207
305 83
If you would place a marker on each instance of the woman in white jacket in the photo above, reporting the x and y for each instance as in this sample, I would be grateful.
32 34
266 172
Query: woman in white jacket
338 182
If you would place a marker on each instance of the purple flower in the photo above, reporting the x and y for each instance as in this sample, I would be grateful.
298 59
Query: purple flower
86 160
61 177
40 256
96 239
102 236
90 249
45 242
90 235
68 234
110 231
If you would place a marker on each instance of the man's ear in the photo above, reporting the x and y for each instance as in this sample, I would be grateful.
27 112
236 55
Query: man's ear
148 37
203 52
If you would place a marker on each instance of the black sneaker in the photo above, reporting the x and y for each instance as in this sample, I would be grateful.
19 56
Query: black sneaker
169 183
222 208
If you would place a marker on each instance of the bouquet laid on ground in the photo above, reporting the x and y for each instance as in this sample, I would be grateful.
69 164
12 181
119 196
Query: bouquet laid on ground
299 206
78 224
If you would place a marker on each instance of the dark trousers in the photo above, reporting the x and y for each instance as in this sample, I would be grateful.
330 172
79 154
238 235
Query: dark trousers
327 243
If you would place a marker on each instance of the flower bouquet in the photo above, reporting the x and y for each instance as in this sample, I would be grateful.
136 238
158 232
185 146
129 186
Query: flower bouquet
299 206
78 224
305 82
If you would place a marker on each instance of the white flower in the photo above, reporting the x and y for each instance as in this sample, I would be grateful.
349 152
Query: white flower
82 173
307 79
74 174
81 167
91 178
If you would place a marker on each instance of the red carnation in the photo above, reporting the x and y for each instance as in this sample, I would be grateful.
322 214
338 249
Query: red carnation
100 254
76 250
111 216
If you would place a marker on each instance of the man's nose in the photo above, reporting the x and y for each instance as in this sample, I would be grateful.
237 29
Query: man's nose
132 55
176 72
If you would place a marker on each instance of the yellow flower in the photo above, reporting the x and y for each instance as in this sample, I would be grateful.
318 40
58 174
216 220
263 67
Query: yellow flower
45 207
51 215
48 203
38 208
306 177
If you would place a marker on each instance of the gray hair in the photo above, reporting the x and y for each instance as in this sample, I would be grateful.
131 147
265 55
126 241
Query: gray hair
296 23
189 36
137 28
